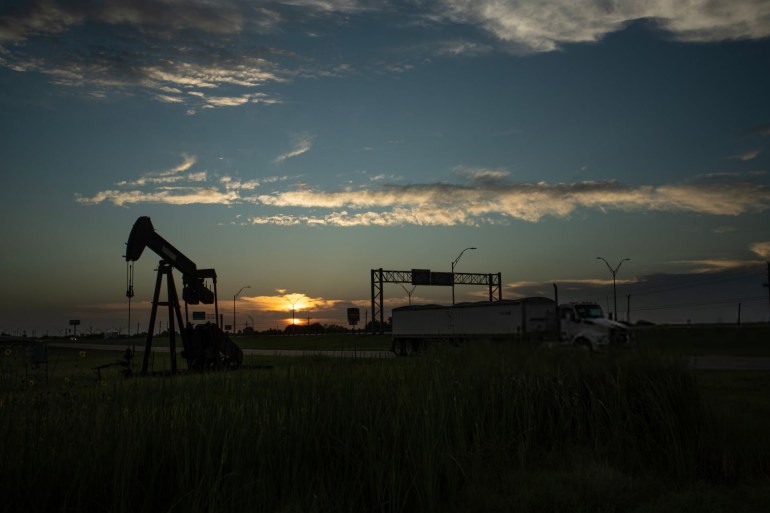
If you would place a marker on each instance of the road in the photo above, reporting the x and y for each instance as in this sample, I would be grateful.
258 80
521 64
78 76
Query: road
708 362
246 352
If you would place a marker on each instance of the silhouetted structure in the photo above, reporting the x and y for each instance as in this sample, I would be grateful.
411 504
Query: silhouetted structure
426 277
204 347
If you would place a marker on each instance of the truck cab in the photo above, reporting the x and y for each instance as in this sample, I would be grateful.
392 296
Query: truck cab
582 324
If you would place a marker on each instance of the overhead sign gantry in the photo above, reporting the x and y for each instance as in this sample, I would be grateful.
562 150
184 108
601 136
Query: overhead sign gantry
379 277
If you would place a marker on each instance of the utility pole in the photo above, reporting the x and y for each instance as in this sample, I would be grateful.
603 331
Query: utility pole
556 309
628 308
767 286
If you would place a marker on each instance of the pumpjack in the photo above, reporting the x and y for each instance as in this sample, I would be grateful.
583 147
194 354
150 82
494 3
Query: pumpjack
205 346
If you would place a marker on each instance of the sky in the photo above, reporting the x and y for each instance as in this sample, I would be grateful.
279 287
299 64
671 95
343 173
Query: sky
294 145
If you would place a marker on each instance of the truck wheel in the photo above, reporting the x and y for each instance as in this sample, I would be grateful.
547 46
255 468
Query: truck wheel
583 344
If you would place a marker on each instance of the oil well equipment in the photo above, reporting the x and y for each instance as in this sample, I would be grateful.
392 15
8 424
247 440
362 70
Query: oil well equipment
205 346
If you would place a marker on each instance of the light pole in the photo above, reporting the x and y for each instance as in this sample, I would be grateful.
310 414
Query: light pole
409 293
614 293
293 320
235 296
252 321
454 263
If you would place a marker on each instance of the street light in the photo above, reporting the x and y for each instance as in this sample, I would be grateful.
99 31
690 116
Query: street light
235 296
454 263
409 293
293 320
614 292
252 321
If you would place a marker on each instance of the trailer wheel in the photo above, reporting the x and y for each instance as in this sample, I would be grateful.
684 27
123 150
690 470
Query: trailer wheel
402 347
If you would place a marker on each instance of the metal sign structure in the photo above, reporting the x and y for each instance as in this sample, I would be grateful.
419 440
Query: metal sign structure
379 277
354 315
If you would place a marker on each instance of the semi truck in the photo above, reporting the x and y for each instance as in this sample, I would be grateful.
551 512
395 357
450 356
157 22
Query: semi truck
536 318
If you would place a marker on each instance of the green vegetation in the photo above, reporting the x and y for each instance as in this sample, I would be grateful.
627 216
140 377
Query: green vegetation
335 342
705 339
482 428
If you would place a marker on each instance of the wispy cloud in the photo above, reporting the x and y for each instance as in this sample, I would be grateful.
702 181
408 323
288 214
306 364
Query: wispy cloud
175 174
762 249
462 47
204 54
302 144
486 198
179 185
481 175
546 25
716 264
490 203
178 52
747 155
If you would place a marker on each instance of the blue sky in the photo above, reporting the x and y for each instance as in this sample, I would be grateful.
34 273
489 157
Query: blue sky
295 145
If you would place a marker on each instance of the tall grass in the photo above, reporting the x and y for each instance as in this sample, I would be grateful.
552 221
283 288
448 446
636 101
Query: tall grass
419 434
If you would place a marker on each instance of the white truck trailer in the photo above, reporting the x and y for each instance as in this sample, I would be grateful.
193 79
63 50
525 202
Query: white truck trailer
579 324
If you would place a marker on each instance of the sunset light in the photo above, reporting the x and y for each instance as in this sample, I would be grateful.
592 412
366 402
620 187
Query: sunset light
297 145
365 255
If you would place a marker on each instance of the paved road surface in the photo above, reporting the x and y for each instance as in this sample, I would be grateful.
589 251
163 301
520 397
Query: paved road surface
246 352
708 362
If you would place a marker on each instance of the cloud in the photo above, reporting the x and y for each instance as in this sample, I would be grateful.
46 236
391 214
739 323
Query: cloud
762 249
302 144
481 175
207 54
487 199
490 203
747 155
462 47
174 174
177 51
164 17
179 185
546 25
286 302
179 196
716 265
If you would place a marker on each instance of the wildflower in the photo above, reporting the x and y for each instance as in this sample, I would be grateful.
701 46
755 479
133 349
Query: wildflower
82 354
32 382
7 351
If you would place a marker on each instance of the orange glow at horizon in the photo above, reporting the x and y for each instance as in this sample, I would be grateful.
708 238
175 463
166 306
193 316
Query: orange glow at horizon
288 302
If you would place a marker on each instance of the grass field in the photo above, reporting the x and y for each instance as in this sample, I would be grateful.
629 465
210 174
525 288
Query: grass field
481 428
698 340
